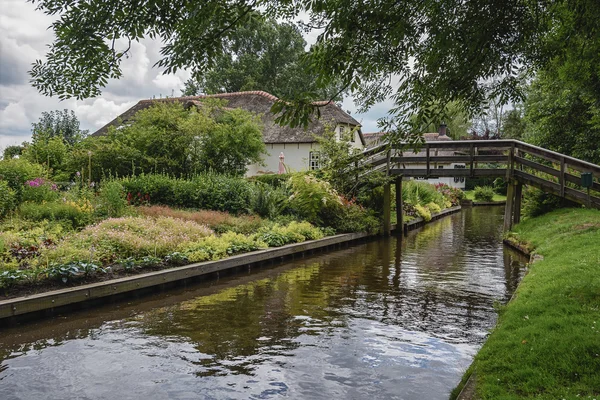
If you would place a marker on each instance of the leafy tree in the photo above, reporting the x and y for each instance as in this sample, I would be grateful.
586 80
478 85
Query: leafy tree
456 119
440 51
12 152
63 124
513 123
167 138
264 55
47 150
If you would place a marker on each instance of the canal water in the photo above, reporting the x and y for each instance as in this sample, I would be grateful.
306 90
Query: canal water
388 319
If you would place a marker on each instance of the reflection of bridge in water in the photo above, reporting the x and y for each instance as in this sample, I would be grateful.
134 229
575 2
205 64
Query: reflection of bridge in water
518 162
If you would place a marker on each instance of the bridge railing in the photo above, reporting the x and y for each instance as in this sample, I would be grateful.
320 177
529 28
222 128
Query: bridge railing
512 159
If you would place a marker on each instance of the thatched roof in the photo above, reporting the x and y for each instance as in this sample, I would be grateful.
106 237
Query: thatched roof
257 102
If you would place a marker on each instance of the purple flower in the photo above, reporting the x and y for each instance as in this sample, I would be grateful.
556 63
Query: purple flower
78 173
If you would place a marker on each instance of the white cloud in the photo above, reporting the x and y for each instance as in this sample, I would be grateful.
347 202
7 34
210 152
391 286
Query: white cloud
24 36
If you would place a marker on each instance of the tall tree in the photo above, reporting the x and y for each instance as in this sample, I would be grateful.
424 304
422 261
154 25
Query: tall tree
439 50
264 55
63 124
562 108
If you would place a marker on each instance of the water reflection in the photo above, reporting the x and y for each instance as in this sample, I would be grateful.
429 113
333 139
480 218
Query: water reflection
387 319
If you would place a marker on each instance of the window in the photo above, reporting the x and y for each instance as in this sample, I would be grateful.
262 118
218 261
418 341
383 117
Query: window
440 167
314 160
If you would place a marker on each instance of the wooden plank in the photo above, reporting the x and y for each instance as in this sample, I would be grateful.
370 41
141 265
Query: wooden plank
577 180
399 202
387 209
447 159
450 172
428 162
550 155
537 166
517 207
508 209
561 177
554 188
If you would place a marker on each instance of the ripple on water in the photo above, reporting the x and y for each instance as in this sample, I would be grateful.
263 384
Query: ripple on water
387 319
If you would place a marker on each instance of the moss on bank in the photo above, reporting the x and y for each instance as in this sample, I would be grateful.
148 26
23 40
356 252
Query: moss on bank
546 344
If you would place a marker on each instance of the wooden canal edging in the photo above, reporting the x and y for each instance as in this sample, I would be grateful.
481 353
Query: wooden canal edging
48 302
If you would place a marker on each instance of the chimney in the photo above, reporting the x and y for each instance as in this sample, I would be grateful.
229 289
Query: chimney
442 130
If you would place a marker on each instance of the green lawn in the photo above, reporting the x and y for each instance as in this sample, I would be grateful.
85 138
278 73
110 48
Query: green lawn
469 194
546 344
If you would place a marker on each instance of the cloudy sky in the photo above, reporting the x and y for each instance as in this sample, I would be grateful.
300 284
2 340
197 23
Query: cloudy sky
24 36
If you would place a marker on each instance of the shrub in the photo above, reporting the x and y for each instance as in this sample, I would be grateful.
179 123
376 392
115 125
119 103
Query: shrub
310 195
305 229
268 201
206 191
536 202
112 201
76 214
484 193
218 247
274 180
451 194
434 208
10 277
350 218
16 172
278 235
219 221
7 199
39 190
138 237
423 212
421 193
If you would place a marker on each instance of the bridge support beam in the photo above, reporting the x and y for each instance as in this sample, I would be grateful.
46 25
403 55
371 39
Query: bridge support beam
508 209
518 198
399 205
387 209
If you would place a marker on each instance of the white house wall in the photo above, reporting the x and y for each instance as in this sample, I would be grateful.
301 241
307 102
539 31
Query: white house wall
296 158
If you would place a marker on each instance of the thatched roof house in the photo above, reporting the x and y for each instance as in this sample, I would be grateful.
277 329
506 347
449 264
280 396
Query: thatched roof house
258 102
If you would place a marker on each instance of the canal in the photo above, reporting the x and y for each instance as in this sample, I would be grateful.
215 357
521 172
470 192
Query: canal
388 319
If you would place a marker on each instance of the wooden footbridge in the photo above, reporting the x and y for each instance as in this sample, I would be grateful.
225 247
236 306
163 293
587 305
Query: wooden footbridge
517 162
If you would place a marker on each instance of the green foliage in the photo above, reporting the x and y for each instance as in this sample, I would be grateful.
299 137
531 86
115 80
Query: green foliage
7 199
484 193
40 190
72 213
310 195
537 202
218 247
421 193
63 125
46 150
117 238
423 212
513 123
12 152
269 201
205 191
275 180
17 171
262 55
233 142
112 199
434 47
349 217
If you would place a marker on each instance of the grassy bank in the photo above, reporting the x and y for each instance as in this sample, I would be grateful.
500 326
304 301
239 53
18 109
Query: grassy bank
470 195
546 344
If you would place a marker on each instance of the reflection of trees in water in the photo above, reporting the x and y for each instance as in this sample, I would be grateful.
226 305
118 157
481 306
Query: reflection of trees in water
240 327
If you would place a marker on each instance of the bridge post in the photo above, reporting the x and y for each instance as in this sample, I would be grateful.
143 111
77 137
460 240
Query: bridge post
518 198
387 209
508 209
399 205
